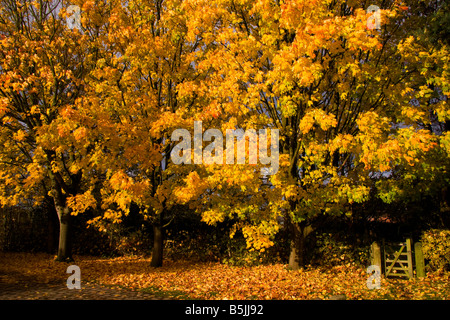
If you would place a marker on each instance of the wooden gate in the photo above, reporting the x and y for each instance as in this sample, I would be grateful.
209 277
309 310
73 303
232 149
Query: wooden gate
398 260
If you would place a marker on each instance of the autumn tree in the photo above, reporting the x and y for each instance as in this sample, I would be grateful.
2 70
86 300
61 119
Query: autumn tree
42 68
87 115
352 105
136 99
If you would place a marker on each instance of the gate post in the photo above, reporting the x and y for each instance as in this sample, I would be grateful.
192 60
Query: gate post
409 258
375 254
420 263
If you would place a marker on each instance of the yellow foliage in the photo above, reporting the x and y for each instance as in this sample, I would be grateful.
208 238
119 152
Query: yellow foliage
81 202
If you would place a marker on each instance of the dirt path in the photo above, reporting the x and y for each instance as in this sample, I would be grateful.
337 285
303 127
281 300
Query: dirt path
25 276
28 290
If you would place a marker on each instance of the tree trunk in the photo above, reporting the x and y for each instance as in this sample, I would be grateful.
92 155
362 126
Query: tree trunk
59 192
65 236
297 253
297 256
158 245
294 263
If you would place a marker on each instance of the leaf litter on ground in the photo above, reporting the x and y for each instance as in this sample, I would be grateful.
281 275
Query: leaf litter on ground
213 280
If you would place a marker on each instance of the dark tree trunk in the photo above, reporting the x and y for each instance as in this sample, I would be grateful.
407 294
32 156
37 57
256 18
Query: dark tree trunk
52 229
52 225
158 245
297 256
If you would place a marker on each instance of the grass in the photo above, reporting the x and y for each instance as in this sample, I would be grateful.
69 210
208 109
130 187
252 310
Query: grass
168 294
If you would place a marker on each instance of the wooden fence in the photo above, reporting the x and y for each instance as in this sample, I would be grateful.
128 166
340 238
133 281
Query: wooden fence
399 259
